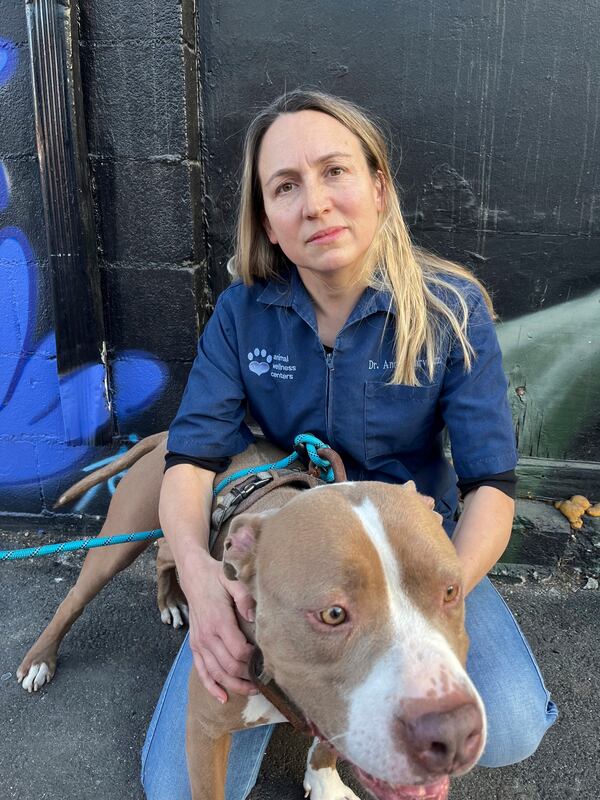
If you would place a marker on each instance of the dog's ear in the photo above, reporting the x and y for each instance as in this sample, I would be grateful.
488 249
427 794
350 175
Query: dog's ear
429 502
240 546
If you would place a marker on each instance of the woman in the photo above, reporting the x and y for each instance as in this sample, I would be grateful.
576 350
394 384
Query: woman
341 327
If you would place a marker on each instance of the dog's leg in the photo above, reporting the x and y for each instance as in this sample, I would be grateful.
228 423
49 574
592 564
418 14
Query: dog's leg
172 603
134 507
207 747
321 779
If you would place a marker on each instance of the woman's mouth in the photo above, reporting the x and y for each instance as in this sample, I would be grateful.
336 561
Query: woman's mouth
326 235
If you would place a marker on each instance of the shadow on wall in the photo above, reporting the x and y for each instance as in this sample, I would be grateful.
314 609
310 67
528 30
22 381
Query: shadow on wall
32 448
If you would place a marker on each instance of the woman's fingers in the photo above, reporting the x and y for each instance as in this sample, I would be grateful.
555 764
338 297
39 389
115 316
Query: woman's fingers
220 649
211 687
242 598
235 643
234 667
221 652
218 681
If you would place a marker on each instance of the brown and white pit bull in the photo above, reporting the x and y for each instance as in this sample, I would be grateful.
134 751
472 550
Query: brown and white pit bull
360 620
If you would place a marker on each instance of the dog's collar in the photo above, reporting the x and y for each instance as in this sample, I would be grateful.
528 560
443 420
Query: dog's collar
276 696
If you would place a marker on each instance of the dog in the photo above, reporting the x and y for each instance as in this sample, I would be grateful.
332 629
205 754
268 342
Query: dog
359 619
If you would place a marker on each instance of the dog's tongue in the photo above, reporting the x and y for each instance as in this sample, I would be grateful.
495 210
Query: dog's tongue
387 791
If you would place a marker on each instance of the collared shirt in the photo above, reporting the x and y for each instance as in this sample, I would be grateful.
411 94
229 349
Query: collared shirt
260 352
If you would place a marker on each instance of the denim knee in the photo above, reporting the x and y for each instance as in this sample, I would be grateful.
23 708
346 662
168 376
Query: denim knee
517 730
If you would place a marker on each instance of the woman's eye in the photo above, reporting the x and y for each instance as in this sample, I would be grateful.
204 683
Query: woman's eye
285 188
335 171
333 616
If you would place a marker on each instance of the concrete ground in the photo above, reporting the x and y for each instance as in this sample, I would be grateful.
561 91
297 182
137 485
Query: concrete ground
79 738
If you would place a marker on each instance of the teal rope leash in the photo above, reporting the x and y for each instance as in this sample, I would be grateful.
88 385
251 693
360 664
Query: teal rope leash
80 544
304 439
309 441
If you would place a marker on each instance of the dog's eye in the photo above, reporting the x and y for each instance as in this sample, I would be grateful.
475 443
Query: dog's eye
333 616
451 593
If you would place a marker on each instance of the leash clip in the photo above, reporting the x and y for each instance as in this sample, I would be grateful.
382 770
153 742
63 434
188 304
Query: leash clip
302 453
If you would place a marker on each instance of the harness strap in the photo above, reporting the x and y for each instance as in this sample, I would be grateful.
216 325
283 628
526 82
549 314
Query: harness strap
245 494
291 477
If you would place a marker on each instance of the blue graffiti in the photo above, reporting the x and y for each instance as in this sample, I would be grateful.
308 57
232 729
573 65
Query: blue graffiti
4 188
32 428
8 60
111 483
30 408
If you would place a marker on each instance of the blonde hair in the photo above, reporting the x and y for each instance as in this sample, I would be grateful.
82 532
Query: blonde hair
392 263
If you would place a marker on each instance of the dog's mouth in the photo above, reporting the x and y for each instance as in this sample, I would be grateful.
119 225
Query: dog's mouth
382 790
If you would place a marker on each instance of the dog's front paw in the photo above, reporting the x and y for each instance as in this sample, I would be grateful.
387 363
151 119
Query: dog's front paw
34 677
39 665
173 607
326 784
172 602
175 614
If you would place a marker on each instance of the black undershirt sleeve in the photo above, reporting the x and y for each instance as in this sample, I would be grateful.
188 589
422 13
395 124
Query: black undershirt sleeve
214 464
504 481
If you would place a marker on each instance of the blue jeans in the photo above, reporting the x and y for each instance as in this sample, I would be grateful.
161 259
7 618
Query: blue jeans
500 663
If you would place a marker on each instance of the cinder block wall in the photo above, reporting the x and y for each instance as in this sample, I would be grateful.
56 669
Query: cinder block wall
141 84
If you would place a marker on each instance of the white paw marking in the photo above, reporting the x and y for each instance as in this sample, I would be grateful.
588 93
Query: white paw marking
177 621
175 615
165 616
38 675
326 784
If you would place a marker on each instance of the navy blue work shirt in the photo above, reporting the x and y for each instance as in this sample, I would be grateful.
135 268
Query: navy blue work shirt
260 352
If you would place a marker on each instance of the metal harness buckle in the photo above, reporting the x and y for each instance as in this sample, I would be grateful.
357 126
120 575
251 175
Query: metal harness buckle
227 504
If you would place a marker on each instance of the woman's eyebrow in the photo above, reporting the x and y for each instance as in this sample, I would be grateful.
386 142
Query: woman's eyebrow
320 160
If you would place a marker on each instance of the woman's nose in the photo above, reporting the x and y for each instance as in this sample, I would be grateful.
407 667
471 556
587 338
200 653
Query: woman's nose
316 200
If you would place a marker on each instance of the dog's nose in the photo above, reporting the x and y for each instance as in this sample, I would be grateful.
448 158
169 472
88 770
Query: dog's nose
444 742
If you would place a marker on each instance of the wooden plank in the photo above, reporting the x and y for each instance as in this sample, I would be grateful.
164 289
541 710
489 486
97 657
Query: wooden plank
548 479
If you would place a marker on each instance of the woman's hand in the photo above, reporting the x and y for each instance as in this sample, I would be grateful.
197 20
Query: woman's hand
220 650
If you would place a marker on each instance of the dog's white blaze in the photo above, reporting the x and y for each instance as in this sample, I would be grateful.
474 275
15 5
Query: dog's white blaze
369 516
419 661
258 707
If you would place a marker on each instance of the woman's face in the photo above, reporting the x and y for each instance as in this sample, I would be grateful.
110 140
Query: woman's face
321 201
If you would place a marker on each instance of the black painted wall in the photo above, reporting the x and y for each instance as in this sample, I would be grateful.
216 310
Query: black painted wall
492 109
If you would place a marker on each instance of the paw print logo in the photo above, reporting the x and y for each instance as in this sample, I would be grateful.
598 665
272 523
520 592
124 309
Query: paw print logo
256 366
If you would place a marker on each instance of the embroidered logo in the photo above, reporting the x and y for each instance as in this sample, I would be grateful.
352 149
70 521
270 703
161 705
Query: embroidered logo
256 366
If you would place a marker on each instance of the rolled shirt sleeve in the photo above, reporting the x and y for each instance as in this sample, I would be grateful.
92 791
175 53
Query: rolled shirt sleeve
474 404
210 419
